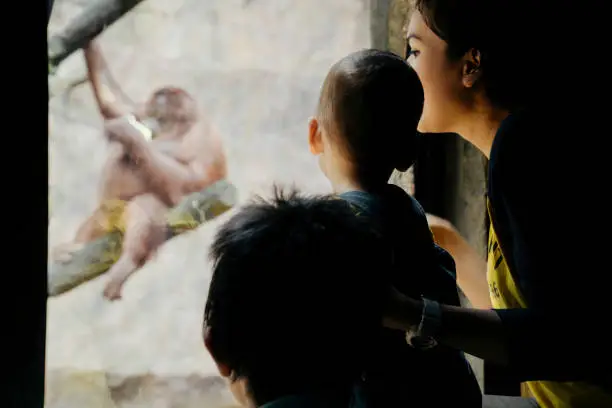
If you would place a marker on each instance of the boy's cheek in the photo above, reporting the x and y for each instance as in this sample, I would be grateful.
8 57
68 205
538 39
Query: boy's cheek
238 390
322 166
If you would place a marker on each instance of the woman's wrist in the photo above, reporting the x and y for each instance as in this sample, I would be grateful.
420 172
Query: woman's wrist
414 312
424 335
403 313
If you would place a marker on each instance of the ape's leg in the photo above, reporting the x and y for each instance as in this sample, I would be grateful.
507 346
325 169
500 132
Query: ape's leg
90 230
145 231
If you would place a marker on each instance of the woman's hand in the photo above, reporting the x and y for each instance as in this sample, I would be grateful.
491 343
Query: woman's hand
445 233
471 266
401 312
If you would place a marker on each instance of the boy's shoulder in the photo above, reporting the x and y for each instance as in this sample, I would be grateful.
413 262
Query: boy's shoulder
389 202
403 224
399 216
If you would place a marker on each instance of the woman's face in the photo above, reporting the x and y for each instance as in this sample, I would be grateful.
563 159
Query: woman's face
441 78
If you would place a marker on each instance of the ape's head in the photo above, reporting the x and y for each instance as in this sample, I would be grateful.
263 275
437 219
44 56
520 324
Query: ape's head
174 110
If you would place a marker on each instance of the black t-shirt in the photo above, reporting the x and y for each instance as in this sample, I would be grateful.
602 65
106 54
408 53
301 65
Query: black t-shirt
400 375
546 188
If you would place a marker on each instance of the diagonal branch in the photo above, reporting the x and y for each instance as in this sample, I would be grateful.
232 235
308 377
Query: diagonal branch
85 27
97 257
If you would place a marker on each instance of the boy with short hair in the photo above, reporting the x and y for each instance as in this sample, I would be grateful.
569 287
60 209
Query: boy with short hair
365 127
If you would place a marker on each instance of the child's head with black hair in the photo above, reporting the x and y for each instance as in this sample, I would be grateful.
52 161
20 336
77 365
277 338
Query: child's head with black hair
295 297
365 125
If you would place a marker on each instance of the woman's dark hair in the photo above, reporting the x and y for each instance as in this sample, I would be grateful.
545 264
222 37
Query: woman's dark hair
373 101
515 38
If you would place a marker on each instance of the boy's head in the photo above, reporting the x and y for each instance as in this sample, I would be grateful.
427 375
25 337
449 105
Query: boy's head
366 121
294 299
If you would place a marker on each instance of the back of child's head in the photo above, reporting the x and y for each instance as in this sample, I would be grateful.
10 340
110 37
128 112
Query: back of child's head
295 296
370 104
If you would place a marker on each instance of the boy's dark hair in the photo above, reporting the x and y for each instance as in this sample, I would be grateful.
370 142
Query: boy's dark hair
373 101
295 296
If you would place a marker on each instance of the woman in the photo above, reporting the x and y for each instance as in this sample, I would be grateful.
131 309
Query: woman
544 276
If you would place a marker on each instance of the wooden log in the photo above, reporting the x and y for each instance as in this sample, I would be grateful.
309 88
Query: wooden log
85 27
98 256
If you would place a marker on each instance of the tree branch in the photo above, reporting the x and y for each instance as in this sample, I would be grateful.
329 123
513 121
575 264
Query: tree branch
85 27
98 256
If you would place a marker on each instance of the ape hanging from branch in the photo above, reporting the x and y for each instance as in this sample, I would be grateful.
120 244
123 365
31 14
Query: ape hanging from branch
165 174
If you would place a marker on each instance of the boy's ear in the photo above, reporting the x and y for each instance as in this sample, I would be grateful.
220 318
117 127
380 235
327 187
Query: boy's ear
315 137
224 370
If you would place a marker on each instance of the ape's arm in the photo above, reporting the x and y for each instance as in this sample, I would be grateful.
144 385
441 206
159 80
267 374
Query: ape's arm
108 104
193 165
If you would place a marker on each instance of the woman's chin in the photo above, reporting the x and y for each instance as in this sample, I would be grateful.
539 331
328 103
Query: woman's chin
427 125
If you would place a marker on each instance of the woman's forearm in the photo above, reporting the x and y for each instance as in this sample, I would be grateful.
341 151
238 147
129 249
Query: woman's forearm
476 332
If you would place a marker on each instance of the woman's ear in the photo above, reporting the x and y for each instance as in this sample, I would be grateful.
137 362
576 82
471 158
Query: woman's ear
472 68
315 137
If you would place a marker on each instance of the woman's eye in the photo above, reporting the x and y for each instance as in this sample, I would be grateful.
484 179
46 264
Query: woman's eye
411 53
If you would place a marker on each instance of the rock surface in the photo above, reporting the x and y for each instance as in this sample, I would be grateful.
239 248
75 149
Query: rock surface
256 68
